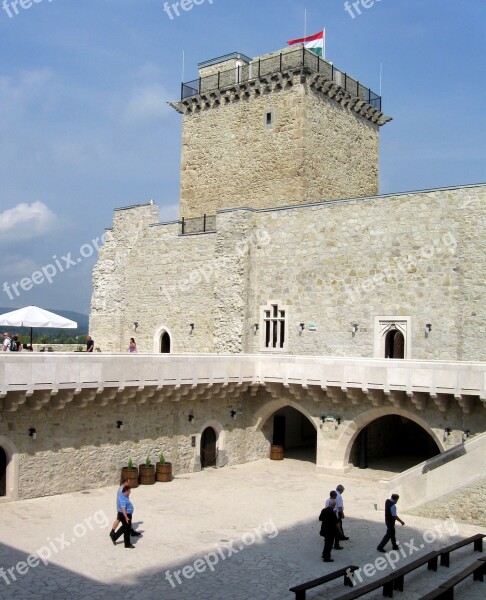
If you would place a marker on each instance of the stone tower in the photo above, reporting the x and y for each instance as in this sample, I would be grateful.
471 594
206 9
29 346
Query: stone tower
282 129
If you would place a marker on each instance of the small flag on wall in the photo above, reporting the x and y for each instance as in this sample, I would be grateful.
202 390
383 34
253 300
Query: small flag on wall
315 43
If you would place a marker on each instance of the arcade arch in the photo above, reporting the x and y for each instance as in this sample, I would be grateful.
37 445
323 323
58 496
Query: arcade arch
285 423
393 439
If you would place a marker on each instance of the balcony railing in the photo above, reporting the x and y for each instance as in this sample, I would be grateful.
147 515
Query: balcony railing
278 63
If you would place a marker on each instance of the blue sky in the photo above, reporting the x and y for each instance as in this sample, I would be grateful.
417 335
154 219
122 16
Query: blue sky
85 128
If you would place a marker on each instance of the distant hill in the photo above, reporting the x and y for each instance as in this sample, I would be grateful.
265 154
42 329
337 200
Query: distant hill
62 335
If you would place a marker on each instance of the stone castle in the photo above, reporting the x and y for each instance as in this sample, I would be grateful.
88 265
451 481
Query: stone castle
290 304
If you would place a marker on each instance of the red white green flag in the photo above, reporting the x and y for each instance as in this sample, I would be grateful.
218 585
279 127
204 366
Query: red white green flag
314 43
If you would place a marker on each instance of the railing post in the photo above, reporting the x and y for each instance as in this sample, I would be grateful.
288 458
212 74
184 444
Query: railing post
204 223
259 64
346 81
369 96
238 74
332 72
182 91
303 56
219 79
183 225
200 80
357 89
280 62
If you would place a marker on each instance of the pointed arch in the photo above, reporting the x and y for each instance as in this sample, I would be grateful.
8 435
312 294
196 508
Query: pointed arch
161 341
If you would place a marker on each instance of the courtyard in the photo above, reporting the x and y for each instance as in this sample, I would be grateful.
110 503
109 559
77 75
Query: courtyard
244 532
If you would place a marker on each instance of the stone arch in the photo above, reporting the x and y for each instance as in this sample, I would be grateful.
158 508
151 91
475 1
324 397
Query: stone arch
12 471
222 457
158 339
266 411
352 430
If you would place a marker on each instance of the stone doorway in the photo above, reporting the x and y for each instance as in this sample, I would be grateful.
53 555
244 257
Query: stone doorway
165 343
208 448
3 472
293 430
394 344
392 443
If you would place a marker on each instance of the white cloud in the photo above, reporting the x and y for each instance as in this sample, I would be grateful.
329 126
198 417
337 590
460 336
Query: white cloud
26 221
148 102
17 267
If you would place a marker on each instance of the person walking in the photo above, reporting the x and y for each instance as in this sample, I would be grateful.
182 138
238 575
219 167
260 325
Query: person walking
340 514
132 346
329 531
89 344
390 518
125 482
6 342
125 513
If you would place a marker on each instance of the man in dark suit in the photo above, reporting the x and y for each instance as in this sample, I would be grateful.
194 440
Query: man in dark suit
329 530
390 518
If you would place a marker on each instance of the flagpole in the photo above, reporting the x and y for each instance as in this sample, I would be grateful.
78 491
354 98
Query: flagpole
305 23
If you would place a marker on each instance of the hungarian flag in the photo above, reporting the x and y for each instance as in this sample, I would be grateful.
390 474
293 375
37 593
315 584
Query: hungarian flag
315 43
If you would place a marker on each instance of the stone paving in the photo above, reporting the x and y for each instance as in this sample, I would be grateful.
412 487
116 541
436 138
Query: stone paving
238 533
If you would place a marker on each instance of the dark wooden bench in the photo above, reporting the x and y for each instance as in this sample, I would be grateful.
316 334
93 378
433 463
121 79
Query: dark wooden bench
394 581
446 590
477 540
301 589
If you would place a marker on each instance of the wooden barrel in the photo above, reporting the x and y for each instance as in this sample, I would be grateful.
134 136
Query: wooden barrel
146 474
131 475
276 453
164 472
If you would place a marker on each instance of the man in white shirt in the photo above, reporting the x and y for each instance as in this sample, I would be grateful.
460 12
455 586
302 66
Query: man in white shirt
340 511
6 342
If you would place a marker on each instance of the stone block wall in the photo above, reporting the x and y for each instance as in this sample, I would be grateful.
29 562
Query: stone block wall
466 504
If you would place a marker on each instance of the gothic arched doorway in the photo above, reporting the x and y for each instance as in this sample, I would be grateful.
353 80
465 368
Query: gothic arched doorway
392 443
3 472
165 343
208 448
394 344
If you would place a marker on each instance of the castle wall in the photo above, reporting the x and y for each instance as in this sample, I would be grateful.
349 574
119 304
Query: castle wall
418 255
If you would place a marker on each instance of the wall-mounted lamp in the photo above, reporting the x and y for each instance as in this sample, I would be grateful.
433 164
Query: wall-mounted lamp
32 433
447 432
338 421
321 420
135 325
301 327
191 327
119 425
190 418
428 329
233 414
354 328
465 434
255 328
